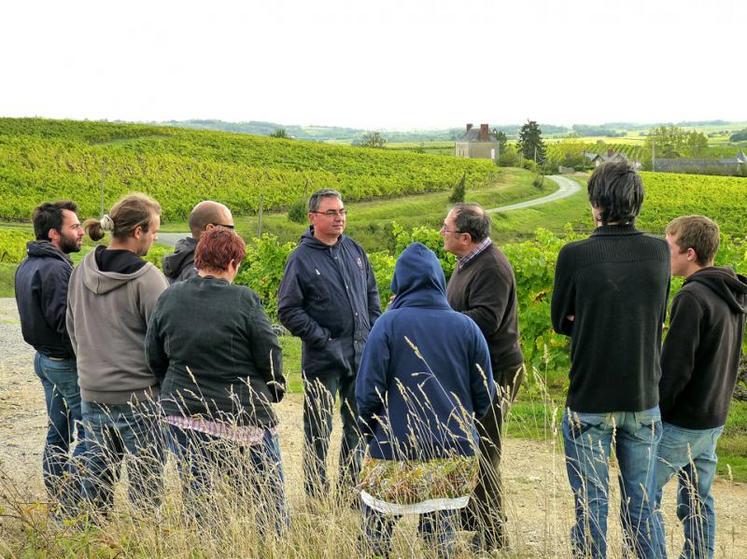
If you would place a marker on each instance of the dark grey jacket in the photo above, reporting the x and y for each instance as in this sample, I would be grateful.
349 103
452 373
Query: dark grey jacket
41 295
181 265
328 298
221 333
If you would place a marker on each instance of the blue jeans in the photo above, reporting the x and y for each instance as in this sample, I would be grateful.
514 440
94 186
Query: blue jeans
254 473
588 439
436 528
318 407
116 432
59 377
691 455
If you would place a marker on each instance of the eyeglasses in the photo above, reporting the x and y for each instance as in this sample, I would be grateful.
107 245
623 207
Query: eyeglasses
446 230
223 225
333 213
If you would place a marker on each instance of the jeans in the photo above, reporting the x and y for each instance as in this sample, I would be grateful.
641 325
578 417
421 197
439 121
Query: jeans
318 407
59 377
588 438
436 528
484 514
691 455
254 473
118 433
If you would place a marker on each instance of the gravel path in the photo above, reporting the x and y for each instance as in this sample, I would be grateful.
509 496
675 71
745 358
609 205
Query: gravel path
538 501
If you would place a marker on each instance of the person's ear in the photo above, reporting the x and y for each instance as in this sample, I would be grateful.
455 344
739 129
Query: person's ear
138 232
692 256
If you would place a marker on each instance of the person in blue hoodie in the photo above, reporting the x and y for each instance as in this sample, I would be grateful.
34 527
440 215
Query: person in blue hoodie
424 376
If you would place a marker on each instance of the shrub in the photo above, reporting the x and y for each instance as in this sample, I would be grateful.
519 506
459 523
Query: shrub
297 212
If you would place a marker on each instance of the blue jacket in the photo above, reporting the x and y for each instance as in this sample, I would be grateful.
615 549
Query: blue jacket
328 298
425 372
41 296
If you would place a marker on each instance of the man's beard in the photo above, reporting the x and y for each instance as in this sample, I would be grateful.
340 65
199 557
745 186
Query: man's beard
68 245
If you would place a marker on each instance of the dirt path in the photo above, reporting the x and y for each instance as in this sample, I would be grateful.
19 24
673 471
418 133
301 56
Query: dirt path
539 503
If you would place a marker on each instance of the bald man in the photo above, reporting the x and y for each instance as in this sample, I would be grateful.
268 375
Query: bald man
204 216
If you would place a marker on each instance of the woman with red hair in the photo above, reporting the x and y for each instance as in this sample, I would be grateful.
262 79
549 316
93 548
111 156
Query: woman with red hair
212 346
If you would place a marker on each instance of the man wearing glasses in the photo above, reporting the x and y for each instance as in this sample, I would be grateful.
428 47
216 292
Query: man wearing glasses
484 288
328 298
204 216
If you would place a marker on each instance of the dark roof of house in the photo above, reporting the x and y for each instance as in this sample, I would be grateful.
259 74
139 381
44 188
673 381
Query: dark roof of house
473 135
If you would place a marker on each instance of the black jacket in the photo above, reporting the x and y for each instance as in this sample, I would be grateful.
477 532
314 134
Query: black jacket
615 284
41 296
181 265
700 357
328 298
222 334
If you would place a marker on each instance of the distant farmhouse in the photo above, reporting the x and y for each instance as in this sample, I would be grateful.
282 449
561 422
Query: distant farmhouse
477 143
736 165
597 159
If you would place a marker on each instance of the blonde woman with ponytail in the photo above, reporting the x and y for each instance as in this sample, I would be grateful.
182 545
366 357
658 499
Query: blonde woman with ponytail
110 299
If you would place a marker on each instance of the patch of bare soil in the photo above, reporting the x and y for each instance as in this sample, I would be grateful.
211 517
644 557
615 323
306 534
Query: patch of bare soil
539 502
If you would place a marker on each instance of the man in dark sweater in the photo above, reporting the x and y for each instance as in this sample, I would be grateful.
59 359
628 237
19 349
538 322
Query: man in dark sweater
610 297
484 288
205 216
41 295
699 366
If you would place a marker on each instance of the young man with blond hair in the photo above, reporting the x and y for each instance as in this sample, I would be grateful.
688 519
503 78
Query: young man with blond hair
699 365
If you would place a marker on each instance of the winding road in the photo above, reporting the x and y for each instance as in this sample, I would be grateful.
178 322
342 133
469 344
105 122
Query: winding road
567 187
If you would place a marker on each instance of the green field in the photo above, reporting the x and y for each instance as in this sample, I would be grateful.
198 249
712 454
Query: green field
46 159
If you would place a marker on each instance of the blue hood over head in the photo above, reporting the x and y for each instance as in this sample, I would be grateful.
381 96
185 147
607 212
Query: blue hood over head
418 280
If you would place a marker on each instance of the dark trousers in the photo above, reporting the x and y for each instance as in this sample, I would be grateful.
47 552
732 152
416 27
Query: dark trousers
318 407
484 514
254 474
436 528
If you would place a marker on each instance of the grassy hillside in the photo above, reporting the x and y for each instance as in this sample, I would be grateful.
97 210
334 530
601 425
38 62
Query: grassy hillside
48 159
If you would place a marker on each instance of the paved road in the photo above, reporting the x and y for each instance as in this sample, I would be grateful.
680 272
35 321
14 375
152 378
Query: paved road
568 187
170 239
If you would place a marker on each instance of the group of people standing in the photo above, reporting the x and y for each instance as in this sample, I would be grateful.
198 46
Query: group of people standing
133 362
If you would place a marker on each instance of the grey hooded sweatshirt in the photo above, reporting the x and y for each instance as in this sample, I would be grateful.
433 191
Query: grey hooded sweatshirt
107 317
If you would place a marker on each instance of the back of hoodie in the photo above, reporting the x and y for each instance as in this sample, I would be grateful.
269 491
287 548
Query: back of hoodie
700 357
111 296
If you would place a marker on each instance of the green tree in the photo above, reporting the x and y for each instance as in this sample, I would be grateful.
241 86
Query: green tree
671 142
372 140
531 145
457 193
279 133
500 135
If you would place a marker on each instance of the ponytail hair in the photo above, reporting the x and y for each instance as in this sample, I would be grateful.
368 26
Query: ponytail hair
132 211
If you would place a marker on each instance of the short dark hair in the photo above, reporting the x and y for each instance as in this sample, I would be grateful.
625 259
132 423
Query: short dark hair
316 199
471 218
698 233
49 216
616 190
217 247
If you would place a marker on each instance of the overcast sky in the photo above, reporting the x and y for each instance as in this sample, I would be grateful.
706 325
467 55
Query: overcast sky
393 64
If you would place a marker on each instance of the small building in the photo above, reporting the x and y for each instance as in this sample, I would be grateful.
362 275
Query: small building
736 165
597 159
477 143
